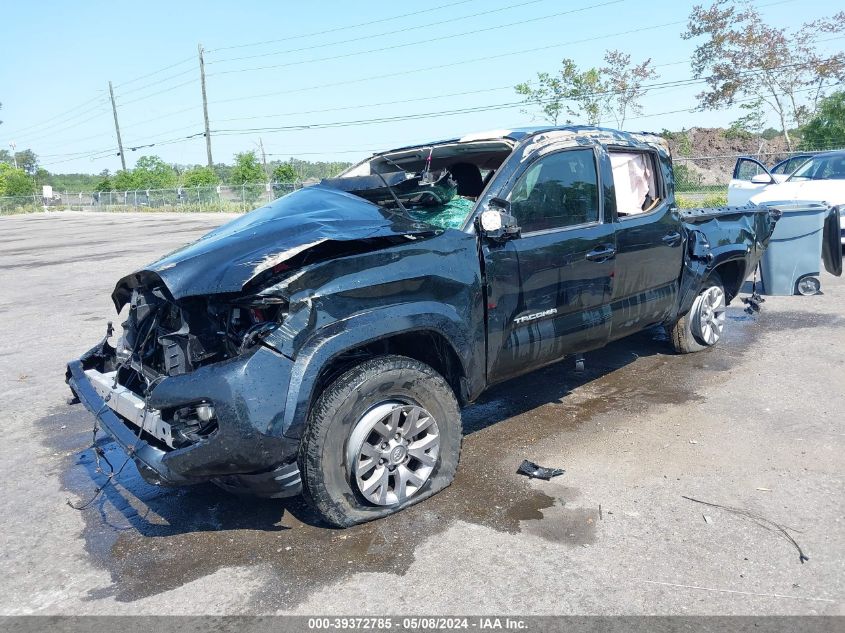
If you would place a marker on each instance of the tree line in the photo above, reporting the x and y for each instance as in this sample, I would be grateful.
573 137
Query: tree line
151 172
741 60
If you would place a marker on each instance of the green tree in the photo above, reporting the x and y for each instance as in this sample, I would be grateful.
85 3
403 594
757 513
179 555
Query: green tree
124 181
153 173
28 161
105 184
15 182
247 169
284 173
624 84
827 129
223 171
200 177
748 125
742 56
570 92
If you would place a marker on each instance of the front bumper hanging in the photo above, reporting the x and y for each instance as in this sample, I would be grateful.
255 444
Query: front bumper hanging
239 457
148 458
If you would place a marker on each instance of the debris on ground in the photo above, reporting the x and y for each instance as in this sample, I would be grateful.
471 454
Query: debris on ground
753 303
761 521
534 471
707 519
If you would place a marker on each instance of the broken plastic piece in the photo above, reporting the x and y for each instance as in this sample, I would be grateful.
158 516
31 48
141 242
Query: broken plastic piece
579 363
753 302
532 470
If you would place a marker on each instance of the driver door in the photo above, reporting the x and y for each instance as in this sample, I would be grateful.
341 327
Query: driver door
548 290
750 177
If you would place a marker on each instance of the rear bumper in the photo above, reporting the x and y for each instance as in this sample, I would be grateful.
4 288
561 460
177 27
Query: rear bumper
247 453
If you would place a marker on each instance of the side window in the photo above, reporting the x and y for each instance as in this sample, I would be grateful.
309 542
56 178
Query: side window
782 168
557 191
635 182
747 169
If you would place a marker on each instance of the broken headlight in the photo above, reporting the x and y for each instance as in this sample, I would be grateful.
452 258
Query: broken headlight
193 423
250 319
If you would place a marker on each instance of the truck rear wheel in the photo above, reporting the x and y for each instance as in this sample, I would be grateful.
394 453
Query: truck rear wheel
703 325
384 435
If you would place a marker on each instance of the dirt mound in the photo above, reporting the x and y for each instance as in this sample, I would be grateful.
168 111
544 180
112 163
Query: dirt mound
709 154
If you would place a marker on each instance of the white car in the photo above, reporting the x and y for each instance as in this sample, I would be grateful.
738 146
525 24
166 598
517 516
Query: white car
820 178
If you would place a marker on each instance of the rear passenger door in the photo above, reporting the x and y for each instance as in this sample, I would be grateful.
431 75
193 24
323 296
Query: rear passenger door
649 241
549 289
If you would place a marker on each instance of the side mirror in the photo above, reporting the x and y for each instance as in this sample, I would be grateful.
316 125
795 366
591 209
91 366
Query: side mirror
762 179
496 223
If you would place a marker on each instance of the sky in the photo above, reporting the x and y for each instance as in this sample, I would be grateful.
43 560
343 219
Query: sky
368 65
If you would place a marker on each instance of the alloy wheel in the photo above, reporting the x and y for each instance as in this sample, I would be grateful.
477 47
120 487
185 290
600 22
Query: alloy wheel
392 452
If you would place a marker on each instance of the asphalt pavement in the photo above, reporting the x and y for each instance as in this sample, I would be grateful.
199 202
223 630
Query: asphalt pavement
755 424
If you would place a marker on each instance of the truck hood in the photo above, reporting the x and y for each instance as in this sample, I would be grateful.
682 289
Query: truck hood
230 256
830 191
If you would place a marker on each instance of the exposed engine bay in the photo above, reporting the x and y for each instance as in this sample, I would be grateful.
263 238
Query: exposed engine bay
165 338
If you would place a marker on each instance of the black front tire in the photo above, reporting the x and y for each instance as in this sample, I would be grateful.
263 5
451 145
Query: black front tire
327 480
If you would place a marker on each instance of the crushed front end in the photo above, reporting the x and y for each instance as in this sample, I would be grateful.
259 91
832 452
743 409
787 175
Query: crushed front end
197 386
192 392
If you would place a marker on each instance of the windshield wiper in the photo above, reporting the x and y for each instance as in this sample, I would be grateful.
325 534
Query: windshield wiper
393 193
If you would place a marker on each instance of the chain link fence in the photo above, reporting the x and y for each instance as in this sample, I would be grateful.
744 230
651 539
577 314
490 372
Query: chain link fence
214 199
699 181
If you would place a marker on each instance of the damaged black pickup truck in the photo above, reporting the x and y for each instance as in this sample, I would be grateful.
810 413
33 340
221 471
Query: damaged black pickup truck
325 343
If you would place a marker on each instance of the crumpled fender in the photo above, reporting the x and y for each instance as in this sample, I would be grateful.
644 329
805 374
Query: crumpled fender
357 331
716 236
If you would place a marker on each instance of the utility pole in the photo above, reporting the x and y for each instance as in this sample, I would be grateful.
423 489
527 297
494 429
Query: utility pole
263 158
14 147
117 128
266 173
205 107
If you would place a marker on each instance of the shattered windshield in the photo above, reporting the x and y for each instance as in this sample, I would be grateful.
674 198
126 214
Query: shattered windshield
445 216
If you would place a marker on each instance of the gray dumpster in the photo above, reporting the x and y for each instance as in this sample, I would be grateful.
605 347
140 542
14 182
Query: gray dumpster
792 261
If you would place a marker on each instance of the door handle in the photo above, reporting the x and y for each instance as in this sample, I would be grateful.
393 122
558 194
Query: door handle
672 238
601 254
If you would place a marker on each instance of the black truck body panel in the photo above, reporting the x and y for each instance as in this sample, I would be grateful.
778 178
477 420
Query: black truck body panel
352 277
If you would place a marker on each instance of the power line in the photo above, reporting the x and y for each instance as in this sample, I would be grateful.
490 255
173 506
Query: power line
157 82
122 127
367 105
473 60
418 42
468 110
41 133
156 72
61 114
109 151
472 109
160 92
163 116
406 29
448 5
63 122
